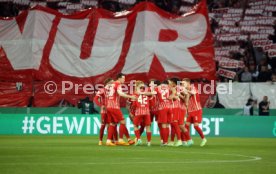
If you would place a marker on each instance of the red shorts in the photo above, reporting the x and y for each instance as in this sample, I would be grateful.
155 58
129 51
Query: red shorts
164 116
131 115
152 115
145 119
132 111
104 118
175 114
181 117
194 117
114 115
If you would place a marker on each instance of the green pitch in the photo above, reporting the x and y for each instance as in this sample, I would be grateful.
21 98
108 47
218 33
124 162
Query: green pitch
81 155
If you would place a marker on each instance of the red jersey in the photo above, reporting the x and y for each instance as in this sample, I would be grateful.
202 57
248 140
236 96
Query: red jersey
142 105
182 105
100 99
180 89
131 106
194 101
112 96
153 103
176 104
162 96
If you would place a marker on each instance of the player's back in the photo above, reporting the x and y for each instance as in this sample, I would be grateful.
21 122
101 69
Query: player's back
112 97
194 100
162 96
142 105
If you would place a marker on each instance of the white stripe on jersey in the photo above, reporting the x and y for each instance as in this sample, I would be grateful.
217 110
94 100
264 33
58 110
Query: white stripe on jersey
142 111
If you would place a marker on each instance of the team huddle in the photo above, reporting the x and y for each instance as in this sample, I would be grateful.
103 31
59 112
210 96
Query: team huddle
173 104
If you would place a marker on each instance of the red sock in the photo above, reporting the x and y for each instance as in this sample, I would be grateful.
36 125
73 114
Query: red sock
188 128
115 134
183 137
121 131
142 128
177 130
165 135
172 132
137 134
187 133
102 132
149 136
160 131
126 132
199 131
110 132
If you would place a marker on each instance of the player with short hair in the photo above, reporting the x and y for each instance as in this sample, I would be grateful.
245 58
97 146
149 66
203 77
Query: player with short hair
153 84
194 111
164 110
183 95
113 94
100 100
142 112
175 111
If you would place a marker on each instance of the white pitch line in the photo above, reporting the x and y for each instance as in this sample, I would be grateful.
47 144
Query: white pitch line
137 162
251 158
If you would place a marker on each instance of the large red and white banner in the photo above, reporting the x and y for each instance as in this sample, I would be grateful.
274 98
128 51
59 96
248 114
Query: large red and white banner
146 42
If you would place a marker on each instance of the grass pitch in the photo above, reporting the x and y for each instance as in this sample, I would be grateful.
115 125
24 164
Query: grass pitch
81 154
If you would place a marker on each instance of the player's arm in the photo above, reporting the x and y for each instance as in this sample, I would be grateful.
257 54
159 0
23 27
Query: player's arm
174 95
128 108
147 93
191 92
98 100
183 94
182 97
122 94
187 97
128 103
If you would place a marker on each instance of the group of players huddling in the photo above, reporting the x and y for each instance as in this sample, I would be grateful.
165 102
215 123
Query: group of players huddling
174 104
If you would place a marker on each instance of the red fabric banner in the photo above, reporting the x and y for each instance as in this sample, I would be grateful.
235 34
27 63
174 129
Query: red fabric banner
89 46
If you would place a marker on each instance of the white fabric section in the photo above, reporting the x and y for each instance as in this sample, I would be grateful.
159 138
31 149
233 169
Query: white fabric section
259 90
107 47
235 95
174 56
25 50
